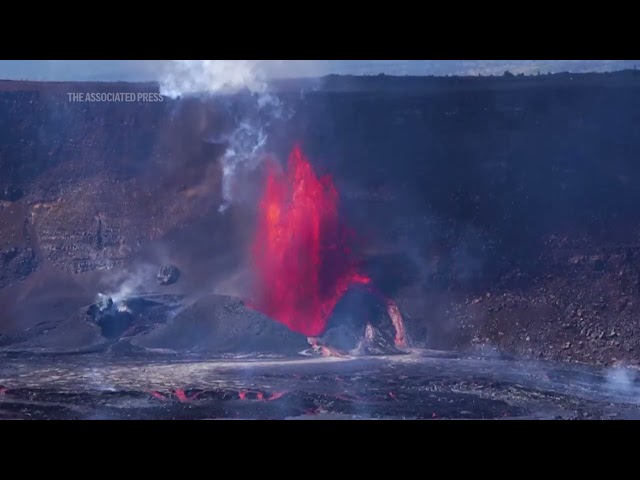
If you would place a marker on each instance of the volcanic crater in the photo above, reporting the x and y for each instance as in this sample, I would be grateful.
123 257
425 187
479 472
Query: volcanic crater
410 248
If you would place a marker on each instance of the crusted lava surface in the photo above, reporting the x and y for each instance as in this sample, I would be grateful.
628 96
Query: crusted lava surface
423 385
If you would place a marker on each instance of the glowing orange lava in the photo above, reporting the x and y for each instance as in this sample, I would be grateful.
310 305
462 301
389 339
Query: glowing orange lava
301 257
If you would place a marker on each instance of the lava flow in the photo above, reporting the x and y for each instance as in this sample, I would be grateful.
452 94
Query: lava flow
301 253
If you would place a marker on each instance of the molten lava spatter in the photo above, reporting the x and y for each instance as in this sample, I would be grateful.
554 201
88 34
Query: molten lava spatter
301 256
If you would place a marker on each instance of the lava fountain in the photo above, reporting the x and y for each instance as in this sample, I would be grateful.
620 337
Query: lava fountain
301 252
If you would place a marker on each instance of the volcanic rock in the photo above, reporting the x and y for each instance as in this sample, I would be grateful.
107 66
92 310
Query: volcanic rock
168 275
361 324
221 324
124 347
17 263
112 321
51 326
133 315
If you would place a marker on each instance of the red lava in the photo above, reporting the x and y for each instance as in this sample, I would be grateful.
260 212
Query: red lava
179 393
301 253
260 396
393 311
182 396
158 395
330 352
398 323
276 396
323 350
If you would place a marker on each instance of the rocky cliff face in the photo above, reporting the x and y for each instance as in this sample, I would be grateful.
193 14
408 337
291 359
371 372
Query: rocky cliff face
84 184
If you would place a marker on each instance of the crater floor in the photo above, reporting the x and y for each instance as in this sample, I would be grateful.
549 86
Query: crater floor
420 385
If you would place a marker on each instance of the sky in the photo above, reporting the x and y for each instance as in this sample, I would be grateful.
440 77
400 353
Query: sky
153 70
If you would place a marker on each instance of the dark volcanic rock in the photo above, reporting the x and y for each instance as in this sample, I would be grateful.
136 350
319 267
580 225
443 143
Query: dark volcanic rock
134 315
219 324
214 324
124 347
361 323
11 193
168 275
568 313
112 321
56 326
97 180
16 264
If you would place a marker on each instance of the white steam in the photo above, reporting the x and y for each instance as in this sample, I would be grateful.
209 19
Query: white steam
124 284
191 77
187 77
246 144
622 381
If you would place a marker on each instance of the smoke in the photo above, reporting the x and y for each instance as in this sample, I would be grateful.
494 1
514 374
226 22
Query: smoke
191 77
621 381
187 77
246 143
121 285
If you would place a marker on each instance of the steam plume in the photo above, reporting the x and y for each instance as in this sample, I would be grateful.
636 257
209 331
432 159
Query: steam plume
246 144
188 77
121 285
